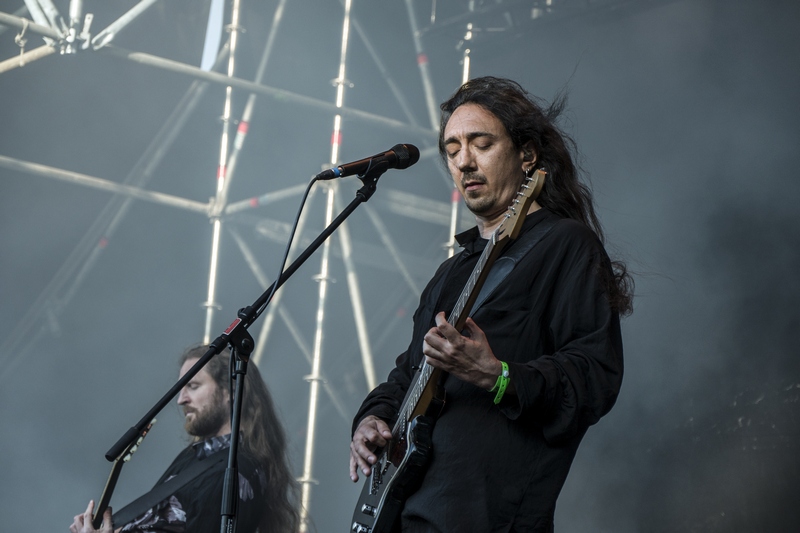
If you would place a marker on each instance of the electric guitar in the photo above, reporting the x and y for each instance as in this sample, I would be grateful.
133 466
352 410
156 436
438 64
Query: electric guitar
401 464
113 476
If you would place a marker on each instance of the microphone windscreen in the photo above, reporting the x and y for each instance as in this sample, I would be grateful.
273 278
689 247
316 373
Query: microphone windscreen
407 155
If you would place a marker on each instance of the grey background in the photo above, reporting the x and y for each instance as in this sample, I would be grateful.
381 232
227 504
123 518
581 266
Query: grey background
685 113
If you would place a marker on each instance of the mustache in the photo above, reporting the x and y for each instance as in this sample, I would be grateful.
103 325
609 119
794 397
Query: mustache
472 177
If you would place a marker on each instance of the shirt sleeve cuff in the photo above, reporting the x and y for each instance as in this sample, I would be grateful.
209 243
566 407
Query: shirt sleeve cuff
528 384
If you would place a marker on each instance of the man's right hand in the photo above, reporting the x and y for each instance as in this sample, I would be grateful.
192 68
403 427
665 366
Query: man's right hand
372 433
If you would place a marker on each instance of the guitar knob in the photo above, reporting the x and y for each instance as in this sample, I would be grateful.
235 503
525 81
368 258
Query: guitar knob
368 509
360 528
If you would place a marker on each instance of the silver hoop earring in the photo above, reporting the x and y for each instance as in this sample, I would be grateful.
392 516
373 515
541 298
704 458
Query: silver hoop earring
528 173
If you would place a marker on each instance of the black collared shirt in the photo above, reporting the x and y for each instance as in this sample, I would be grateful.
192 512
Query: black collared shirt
501 467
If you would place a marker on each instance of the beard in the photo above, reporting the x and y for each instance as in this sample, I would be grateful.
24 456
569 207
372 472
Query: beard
208 422
479 205
477 202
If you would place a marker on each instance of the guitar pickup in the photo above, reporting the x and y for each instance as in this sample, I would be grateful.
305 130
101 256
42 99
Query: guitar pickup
376 478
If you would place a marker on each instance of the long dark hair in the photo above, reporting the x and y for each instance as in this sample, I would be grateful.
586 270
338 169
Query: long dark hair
262 438
528 119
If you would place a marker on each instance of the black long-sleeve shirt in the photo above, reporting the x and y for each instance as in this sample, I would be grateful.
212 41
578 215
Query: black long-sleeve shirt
501 467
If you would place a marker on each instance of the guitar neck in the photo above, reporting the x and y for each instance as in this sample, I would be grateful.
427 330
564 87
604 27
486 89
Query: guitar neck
458 316
422 389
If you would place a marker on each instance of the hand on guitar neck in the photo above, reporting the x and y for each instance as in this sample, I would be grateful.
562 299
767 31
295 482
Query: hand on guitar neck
82 523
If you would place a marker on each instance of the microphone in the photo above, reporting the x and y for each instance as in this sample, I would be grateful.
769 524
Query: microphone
400 156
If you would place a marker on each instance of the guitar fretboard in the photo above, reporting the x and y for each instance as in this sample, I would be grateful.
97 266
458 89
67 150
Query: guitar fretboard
426 371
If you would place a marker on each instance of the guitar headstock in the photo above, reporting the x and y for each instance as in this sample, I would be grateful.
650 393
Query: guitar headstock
127 454
116 468
515 216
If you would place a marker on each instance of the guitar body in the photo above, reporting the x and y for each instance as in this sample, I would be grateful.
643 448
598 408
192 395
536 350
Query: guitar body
396 475
401 465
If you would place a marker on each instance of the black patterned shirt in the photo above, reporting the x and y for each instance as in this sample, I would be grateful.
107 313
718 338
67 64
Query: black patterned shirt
195 507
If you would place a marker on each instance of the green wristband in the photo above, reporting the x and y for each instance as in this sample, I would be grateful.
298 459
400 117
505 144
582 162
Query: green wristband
501 384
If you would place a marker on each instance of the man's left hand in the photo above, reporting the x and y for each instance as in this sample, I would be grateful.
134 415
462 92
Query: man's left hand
82 523
469 358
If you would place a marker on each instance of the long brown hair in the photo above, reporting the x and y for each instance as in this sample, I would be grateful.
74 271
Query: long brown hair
262 438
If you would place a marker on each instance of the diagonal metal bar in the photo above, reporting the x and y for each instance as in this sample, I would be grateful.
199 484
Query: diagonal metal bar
51 12
23 23
28 57
104 185
107 35
356 302
18 13
387 76
268 319
386 239
280 95
264 199
286 317
37 14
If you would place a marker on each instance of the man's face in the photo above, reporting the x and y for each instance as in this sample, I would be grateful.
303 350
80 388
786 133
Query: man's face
206 407
486 167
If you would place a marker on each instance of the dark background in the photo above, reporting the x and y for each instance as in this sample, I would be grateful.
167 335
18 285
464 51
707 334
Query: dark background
685 113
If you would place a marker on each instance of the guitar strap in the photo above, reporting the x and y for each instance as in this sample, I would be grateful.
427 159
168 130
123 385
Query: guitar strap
504 264
163 491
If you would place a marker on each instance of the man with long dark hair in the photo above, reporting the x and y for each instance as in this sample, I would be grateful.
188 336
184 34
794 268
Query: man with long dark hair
540 360
267 490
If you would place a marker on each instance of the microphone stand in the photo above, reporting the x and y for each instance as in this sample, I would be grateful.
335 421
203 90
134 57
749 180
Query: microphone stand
237 336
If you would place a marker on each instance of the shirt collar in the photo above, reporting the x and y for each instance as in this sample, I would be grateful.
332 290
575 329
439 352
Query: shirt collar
211 445
472 242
